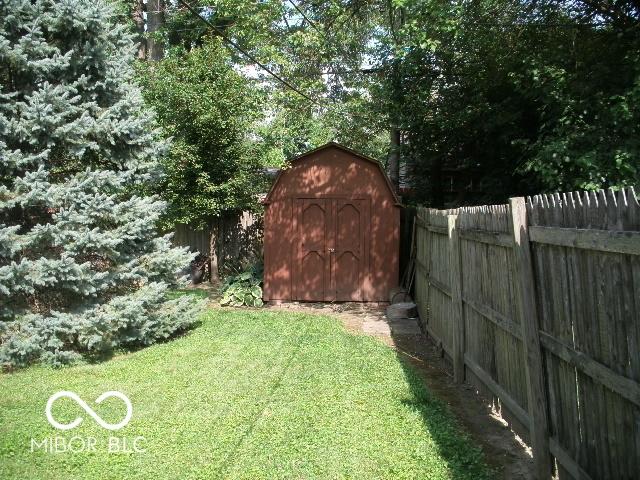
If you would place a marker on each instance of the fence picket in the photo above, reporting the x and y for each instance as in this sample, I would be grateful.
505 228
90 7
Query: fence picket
526 300
562 306
456 300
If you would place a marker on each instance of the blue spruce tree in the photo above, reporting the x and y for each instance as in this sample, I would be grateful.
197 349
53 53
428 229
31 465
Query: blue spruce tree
82 267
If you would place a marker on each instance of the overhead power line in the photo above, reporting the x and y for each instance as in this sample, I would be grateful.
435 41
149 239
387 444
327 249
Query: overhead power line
249 55
279 78
301 12
325 35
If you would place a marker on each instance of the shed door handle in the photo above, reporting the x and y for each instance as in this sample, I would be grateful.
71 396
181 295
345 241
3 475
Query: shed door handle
332 250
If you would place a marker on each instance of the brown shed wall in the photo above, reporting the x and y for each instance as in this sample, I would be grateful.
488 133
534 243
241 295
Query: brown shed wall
331 172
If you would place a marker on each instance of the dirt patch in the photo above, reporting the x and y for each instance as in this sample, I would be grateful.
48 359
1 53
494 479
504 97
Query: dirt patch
504 450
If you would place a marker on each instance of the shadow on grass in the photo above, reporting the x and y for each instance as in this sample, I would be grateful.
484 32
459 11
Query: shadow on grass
194 292
464 458
93 358
106 355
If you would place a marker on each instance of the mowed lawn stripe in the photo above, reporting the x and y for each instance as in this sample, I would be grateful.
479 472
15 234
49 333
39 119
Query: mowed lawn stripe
247 394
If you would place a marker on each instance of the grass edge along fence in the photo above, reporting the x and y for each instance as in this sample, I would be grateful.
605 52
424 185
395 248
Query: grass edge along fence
537 304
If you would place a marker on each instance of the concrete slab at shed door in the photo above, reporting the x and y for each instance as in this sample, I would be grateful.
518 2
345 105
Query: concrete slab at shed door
331 229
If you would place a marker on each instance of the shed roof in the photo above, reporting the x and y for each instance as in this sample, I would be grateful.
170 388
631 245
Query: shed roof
267 199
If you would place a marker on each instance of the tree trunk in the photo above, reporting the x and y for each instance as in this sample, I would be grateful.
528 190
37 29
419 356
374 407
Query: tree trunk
138 18
215 229
394 134
155 20
393 165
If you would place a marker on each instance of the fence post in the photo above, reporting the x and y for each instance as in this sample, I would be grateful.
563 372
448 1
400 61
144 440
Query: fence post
526 300
457 310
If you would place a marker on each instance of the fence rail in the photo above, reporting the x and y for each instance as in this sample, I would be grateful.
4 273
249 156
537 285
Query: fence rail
537 303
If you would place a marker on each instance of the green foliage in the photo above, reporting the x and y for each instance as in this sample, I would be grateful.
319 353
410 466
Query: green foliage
303 53
249 394
505 97
243 289
83 270
523 98
208 108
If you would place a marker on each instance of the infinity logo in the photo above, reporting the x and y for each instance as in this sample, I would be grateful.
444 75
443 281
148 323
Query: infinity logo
89 410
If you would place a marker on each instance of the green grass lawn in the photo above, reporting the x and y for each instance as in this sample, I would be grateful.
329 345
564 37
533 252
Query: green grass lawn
247 394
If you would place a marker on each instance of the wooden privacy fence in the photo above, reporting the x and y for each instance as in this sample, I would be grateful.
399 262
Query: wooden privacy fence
232 242
537 303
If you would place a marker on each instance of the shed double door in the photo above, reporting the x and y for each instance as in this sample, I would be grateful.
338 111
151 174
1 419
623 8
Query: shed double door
331 252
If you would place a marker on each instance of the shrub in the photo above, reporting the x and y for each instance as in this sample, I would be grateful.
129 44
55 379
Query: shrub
243 289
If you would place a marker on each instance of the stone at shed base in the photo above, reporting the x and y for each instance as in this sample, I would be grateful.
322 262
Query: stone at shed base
402 310
399 294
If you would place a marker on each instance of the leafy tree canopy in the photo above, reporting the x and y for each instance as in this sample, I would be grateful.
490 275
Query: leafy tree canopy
317 47
501 97
522 97
210 110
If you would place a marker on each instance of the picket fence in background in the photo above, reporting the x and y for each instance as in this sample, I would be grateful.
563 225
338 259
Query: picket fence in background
231 242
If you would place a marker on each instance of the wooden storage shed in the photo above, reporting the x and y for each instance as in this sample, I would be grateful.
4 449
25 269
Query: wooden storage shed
331 229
